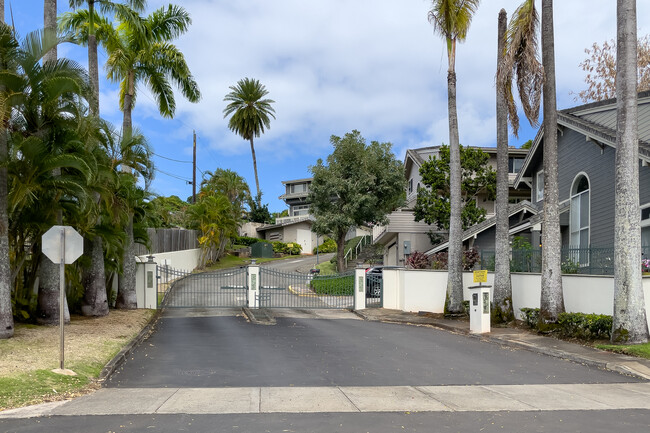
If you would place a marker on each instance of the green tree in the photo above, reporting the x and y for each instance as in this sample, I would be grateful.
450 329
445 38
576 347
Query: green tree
451 20
140 52
250 115
259 213
359 185
629 321
169 212
432 205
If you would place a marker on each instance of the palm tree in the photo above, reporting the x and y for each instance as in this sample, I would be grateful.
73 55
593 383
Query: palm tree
85 26
451 20
552 301
7 44
140 52
502 295
250 115
629 322
49 24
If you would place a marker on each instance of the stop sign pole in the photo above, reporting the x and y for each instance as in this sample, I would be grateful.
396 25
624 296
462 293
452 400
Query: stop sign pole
62 245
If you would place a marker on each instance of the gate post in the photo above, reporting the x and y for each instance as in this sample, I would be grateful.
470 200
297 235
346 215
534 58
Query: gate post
253 285
146 287
360 288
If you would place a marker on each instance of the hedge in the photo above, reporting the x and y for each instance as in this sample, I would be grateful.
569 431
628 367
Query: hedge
333 285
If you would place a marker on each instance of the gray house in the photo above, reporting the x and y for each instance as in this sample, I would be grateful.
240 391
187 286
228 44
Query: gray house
586 172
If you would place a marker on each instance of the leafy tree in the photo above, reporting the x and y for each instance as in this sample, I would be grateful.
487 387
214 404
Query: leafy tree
250 115
432 205
527 145
169 212
600 66
451 20
359 185
629 321
259 213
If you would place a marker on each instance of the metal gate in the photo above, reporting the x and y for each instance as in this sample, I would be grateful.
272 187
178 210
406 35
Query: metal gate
374 290
214 289
293 290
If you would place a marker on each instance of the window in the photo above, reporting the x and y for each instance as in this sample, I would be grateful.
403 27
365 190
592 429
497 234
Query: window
298 188
539 187
579 221
645 230
410 185
515 164
300 210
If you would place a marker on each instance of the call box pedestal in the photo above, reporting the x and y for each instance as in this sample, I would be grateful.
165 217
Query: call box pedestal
479 309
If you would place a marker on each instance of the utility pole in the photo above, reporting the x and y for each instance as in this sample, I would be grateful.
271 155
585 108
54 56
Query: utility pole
194 169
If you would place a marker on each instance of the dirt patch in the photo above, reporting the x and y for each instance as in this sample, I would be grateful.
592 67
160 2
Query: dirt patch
88 340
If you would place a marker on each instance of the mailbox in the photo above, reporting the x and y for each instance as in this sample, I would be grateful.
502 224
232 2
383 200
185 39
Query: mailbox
479 309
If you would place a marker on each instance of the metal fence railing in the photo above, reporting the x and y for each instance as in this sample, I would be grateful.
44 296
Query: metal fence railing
591 261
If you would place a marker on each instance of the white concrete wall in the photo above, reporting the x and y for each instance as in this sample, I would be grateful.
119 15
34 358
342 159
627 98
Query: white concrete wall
186 260
424 290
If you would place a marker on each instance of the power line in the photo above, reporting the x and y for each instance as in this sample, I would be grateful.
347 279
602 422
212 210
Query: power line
173 175
170 159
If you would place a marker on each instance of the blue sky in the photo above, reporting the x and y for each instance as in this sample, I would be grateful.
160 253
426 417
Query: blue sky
332 66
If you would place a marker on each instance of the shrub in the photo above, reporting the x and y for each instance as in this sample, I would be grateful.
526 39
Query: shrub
291 248
328 246
569 267
585 326
531 317
247 241
470 258
418 260
329 285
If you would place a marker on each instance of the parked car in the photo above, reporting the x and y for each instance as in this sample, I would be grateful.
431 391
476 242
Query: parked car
374 280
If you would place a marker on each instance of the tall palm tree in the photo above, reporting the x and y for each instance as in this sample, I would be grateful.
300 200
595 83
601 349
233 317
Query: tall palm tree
141 52
86 25
7 44
552 301
250 115
451 20
502 295
629 324
46 103
49 24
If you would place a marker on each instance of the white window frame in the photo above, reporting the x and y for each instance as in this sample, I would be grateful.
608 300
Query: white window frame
572 229
539 186
410 186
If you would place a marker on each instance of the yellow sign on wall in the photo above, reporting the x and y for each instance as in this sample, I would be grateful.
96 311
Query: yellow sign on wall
480 276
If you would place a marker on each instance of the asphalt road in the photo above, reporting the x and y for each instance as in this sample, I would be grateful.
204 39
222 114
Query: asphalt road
228 351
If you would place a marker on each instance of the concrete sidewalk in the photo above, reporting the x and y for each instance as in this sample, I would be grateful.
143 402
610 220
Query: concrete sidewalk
520 338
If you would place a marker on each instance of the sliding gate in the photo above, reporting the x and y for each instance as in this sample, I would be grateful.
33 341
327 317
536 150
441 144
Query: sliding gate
293 290
214 289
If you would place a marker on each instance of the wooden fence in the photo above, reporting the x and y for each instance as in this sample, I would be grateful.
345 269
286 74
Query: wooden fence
168 240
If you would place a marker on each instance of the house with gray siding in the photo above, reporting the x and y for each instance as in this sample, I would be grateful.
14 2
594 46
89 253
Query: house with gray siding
586 173
403 235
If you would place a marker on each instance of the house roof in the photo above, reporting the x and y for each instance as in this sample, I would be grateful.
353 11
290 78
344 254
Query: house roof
597 122
307 179
524 206
284 224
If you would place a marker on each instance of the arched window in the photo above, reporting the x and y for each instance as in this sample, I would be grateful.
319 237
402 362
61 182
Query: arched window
579 223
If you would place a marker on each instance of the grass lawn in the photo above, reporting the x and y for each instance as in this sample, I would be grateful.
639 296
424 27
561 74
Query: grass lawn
327 268
640 350
26 360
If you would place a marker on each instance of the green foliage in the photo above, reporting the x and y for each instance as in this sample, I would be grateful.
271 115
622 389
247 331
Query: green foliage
328 246
502 313
640 350
168 212
478 177
250 112
259 213
569 267
531 317
246 241
291 248
359 185
527 145
418 260
585 326
333 285
470 258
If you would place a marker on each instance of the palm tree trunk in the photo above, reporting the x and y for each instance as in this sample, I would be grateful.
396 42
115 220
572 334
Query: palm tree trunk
258 197
552 299
6 314
455 262
502 298
93 63
340 252
94 301
49 23
629 322
126 297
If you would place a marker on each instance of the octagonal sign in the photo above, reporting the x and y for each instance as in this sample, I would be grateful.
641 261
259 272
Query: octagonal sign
74 244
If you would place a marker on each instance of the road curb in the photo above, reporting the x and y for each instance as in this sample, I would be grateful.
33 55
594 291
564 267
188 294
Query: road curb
259 317
118 359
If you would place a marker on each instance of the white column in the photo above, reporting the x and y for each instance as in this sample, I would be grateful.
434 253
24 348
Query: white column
479 309
253 285
359 288
150 285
